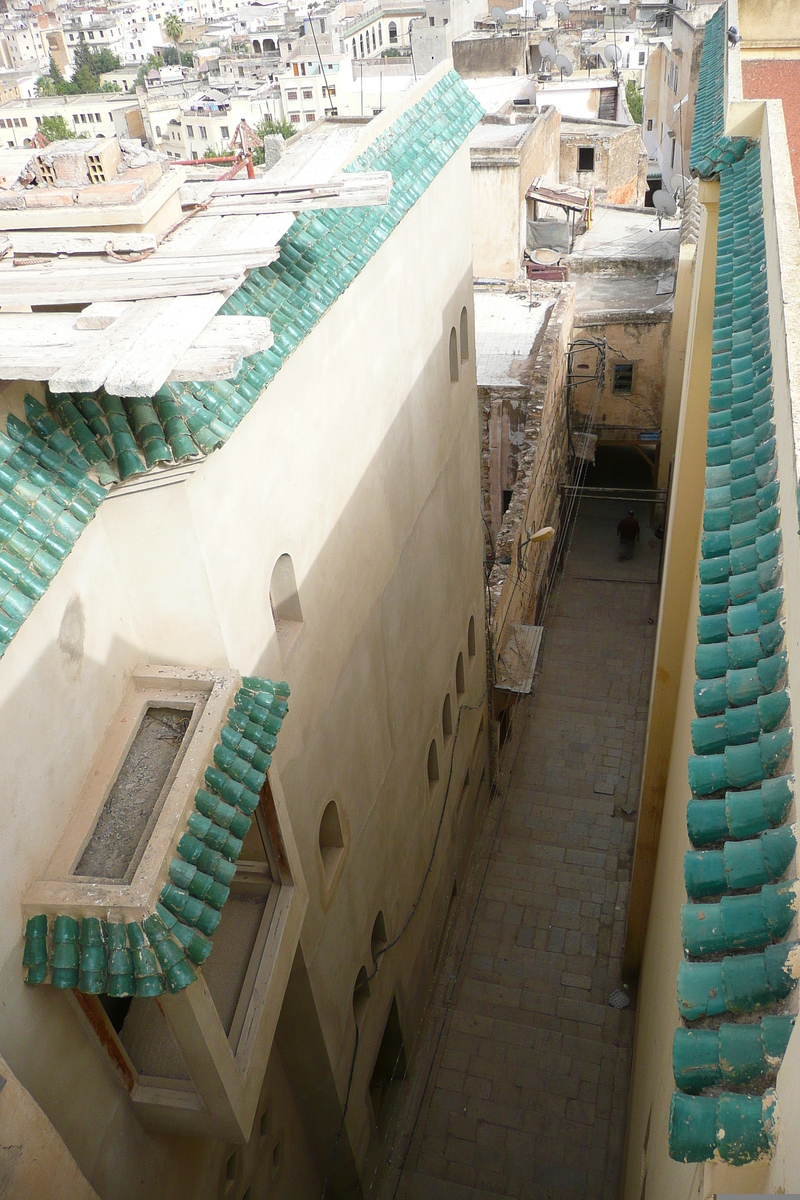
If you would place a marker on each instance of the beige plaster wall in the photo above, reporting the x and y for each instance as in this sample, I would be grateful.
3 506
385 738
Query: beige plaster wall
33 1159
769 30
360 460
500 180
642 341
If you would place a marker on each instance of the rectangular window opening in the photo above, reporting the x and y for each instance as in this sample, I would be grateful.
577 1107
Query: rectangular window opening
586 158
623 378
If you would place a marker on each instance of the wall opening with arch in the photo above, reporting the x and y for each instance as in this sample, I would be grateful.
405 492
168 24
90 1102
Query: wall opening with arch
285 602
331 840
453 354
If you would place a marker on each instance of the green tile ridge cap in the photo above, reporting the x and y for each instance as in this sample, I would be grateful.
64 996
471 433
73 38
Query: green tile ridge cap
742 790
160 953
732 1128
709 113
106 439
734 1055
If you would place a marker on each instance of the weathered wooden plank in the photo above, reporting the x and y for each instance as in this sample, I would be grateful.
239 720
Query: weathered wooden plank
71 291
63 242
88 374
38 362
249 334
149 361
102 314
19 331
206 365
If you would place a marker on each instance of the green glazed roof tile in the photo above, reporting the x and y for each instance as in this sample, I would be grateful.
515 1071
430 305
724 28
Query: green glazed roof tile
709 113
51 465
160 954
738 900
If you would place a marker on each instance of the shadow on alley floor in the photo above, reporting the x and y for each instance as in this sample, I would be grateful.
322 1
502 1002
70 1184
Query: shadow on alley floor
520 1080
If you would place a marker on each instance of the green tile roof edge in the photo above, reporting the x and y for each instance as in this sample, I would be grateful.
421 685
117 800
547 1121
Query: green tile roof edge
737 962
100 956
709 111
57 465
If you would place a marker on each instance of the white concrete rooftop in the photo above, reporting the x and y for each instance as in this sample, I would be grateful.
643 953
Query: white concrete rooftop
506 330
628 233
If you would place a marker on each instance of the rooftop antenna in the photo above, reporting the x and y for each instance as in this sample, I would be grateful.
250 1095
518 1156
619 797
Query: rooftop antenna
499 17
678 185
564 65
562 11
547 53
664 205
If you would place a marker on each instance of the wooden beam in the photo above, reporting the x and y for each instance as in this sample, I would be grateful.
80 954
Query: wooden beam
150 359
63 242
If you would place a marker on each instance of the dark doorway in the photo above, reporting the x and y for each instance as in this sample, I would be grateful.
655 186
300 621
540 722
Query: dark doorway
389 1071
619 466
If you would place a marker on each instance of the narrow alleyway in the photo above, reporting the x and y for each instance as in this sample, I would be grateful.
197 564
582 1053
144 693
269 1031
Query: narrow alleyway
521 1076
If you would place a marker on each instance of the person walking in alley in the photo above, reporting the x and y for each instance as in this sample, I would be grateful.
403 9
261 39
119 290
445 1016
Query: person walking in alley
628 533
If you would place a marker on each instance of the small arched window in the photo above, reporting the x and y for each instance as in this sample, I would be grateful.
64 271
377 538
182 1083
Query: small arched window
361 44
268 44
360 995
158 131
256 46
453 356
374 47
380 35
392 31
460 685
354 48
378 939
331 840
433 764
464 335
471 638
447 719
285 602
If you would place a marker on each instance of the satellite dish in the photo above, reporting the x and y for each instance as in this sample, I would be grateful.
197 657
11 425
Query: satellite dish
611 53
547 51
679 183
539 9
664 204
561 11
498 15
564 65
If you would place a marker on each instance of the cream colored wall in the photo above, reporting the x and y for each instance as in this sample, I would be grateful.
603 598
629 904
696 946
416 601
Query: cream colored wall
497 223
770 30
676 360
499 207
360 460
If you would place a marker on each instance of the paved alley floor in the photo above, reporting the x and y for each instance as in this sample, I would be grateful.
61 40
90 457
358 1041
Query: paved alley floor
521 1076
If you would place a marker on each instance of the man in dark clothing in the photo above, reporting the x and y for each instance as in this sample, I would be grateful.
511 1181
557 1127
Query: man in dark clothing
628 532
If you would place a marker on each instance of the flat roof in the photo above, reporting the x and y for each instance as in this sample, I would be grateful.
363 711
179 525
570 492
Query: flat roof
604 295
628 233
506 329
485 136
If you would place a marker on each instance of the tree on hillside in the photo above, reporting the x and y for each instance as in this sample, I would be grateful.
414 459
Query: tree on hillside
54 129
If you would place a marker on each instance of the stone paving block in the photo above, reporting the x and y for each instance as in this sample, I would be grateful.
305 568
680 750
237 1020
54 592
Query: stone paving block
530 1089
